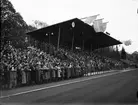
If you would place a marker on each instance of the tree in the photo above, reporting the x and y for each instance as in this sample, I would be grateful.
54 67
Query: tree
127 42
31 28
135 56
123 53
39 24
12 23
117 52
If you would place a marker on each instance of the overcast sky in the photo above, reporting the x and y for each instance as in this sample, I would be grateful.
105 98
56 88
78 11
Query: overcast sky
121 14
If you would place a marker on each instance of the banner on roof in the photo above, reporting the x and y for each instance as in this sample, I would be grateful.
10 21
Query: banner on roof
89 20
103 27
98 24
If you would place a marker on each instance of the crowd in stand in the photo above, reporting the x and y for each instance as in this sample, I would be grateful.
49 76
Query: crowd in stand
33 66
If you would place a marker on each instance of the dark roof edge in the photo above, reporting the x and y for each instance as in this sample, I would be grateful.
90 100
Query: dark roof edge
52 25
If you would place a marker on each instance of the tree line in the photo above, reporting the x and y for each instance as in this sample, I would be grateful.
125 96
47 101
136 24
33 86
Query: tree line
13 26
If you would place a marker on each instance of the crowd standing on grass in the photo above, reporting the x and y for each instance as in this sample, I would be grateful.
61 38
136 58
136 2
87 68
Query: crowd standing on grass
30 66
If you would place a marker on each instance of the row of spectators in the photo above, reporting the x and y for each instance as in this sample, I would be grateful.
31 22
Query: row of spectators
32 65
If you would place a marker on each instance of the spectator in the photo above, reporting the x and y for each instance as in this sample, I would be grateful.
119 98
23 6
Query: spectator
37 65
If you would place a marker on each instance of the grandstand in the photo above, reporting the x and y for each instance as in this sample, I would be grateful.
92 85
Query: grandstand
60 60
82 34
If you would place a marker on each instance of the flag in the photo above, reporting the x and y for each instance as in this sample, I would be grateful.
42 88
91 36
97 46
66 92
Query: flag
98 25
89 20
103 27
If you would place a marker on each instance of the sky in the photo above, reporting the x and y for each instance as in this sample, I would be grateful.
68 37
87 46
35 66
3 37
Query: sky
122 15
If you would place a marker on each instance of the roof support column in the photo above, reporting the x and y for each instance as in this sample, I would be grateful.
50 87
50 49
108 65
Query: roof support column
91 48
58 38
83 45
72 46
73 25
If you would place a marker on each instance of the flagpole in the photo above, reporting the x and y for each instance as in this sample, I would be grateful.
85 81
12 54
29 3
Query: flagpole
58 38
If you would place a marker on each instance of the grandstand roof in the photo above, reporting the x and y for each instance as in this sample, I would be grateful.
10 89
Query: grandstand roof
81 31
101 40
